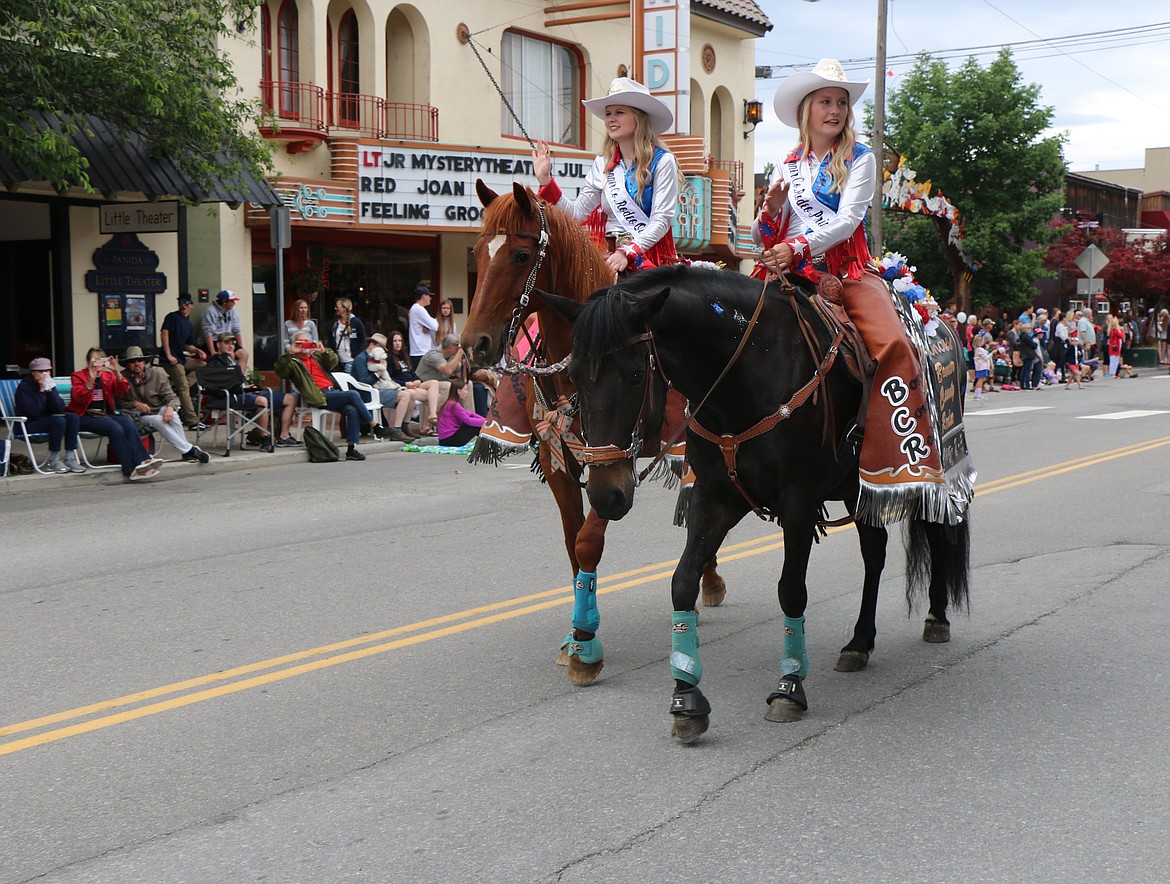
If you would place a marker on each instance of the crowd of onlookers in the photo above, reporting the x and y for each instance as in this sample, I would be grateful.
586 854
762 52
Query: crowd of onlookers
423 384
418 367
1038 348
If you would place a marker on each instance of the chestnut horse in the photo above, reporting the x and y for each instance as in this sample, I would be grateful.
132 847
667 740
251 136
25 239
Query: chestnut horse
527 243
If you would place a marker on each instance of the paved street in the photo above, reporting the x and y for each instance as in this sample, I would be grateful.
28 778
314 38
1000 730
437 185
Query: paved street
343 672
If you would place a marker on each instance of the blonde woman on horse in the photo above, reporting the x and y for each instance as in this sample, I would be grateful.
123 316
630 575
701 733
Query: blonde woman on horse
812 224
631 191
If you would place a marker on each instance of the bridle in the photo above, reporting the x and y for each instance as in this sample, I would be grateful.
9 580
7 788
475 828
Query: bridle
605 455
511 366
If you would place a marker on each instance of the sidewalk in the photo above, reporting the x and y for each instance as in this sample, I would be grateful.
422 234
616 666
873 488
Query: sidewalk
175 468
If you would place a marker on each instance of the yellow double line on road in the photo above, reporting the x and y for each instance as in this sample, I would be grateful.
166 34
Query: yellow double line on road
242 678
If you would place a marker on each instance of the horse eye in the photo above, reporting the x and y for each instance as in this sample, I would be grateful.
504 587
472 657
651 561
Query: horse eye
637 378
522 257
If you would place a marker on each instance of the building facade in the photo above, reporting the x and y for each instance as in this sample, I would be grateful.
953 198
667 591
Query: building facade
385 114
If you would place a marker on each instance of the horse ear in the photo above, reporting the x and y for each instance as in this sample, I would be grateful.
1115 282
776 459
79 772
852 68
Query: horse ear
648 307
486 194
564 307
522 198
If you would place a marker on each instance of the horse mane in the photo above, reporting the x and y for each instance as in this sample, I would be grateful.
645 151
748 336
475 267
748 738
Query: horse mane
577 264
602 328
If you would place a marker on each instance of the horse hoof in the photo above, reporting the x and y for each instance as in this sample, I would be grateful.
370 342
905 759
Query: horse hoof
784 711
852 661
584 673
714 594
687 729
936 632
563 657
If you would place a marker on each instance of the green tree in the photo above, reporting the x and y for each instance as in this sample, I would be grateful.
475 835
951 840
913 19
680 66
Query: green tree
977 134
149 67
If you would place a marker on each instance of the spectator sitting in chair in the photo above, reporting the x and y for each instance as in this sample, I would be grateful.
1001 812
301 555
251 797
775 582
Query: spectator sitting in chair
95 389
307 365
392 395
230 373
153 406
38 400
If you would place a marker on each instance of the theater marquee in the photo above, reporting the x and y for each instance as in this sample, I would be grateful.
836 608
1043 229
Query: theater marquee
434 187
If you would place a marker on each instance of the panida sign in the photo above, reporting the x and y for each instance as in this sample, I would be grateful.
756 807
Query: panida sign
435 188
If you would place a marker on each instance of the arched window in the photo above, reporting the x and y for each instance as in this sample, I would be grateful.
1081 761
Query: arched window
348 72
266 56
288 23
542 80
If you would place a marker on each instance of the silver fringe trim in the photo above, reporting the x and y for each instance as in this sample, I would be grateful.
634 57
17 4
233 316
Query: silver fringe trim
946 503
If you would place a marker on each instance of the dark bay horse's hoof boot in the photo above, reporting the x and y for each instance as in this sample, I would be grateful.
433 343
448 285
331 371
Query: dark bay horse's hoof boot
936 631
852 661
787 703
691 713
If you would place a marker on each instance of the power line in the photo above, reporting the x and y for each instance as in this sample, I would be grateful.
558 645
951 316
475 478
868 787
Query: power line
1093 41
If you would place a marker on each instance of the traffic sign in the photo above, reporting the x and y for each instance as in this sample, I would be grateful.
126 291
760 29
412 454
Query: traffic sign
1092 261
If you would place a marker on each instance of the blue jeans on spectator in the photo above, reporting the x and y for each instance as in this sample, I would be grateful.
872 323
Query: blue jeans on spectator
58 427
1026 379
123 436
351 405
480 393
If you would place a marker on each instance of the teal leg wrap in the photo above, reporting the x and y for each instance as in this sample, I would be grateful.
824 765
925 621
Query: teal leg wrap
684 647
586 651
795 659
585 614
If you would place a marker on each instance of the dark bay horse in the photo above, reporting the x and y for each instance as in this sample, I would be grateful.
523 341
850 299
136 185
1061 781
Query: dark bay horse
527 243
682 325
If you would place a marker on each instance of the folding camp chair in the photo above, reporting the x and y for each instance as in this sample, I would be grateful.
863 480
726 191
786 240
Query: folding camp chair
220 397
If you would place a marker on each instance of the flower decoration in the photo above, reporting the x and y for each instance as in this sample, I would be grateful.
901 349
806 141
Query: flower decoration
900 275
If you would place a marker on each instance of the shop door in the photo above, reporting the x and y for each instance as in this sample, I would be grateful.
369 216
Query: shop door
26 305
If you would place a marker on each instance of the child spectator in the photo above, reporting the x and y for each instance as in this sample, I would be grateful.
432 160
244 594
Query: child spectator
457 425
982 363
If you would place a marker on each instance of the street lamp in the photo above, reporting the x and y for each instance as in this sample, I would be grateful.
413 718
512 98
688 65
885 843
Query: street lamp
753 113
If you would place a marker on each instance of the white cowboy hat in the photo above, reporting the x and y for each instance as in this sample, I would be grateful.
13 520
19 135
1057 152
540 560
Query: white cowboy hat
828 72
631 93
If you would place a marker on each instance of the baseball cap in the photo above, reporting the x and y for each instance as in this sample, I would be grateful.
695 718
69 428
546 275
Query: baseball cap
40 364
226 336
422 290
185 299
226 295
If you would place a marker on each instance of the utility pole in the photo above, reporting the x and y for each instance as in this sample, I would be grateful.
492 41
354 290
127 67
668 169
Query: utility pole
879 129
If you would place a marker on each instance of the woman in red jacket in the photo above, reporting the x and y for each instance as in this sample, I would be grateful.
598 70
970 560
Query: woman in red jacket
95 389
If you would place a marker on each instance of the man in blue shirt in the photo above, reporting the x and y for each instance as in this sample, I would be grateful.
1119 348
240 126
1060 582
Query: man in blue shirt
178 343
222 317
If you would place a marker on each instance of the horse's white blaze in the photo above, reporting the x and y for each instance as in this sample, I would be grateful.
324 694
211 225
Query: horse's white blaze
495 245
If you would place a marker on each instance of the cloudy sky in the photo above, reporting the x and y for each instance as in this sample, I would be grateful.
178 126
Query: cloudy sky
1109 87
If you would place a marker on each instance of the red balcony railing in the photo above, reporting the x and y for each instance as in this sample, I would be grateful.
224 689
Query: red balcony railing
411 122
306 106
297 105
734 168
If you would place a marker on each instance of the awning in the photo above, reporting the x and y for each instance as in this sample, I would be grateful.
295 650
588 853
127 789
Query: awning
120 167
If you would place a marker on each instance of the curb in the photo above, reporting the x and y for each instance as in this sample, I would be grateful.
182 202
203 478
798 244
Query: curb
174 468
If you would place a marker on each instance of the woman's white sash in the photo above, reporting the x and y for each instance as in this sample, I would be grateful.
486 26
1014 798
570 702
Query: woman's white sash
812 211
626 211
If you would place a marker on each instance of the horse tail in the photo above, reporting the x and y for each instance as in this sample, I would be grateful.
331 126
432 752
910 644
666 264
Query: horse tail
938 558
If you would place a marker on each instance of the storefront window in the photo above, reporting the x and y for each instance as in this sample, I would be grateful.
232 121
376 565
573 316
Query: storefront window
380 282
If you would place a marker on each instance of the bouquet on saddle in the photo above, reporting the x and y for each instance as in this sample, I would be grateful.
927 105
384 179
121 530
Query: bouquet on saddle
895 270
377 364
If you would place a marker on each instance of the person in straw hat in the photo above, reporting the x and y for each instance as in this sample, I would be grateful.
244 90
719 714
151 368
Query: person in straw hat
631 191
812 224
